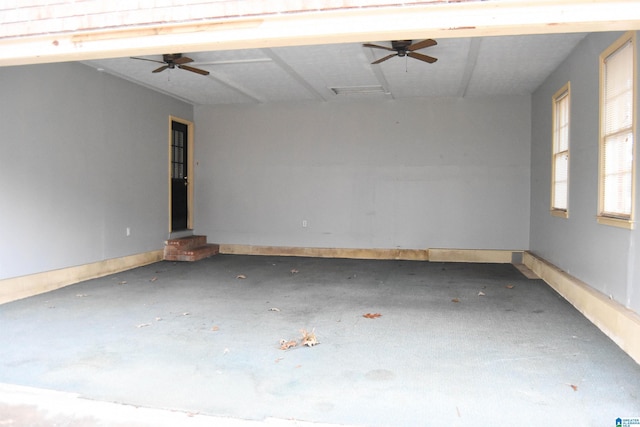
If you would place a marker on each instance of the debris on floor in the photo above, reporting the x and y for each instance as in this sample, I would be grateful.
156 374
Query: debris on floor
143 325
509 286
286 345
309 338
372 315
294 271
274 309
481 294
455 300
241 276
153 279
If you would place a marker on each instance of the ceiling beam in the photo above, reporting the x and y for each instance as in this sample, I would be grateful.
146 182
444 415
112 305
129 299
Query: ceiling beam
293 74
430 20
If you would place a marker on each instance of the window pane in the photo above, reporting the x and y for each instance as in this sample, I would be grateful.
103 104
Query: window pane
561 165
619 90
562 124
618 162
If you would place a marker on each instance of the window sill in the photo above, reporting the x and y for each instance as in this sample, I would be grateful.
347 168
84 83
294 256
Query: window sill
616 222
559 213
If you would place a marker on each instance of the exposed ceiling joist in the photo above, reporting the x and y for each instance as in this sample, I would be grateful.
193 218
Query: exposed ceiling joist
434 20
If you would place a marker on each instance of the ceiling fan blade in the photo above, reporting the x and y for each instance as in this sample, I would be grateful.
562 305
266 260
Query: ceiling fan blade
377 47
157 70
384 59
422 44
421 57
146 59
194 70
182 60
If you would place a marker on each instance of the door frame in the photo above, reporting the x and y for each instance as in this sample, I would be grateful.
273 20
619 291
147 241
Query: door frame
190 170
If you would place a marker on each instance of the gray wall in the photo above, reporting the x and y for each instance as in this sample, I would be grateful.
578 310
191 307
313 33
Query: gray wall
605 257
84 155
429 173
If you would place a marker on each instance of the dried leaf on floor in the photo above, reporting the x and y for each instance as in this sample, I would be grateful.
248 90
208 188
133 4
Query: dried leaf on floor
372 315
241 276
215 328
143 325
153 279
481 294
274 309
509 286
309 338
574 387
455 300
286 345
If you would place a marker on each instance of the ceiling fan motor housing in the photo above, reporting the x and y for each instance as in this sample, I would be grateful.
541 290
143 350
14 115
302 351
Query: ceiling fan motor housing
401 46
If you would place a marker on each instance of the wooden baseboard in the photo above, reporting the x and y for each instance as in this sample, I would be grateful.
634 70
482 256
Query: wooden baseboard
25 286
403 254
471 255
615 320
436 255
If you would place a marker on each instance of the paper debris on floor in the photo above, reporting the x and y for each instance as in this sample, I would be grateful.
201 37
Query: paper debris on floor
372 315
286 345
309 338
274 309
241 276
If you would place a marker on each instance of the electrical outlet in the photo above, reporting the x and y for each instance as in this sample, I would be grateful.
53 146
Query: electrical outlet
304 223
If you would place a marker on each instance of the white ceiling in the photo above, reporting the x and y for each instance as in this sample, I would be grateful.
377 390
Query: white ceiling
465 67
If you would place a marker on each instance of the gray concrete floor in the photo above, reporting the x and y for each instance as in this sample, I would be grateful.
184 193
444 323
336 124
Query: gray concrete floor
457 344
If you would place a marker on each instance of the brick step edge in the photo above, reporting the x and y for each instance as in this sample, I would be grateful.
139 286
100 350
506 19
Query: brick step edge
193 254
188 242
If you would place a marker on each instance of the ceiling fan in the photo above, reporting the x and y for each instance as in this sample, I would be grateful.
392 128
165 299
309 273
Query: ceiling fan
406 48
173 60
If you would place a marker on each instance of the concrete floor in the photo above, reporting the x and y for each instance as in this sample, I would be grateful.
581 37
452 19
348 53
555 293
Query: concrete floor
457 344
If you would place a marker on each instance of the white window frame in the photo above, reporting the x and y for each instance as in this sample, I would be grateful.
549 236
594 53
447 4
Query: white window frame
617 219
561 132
